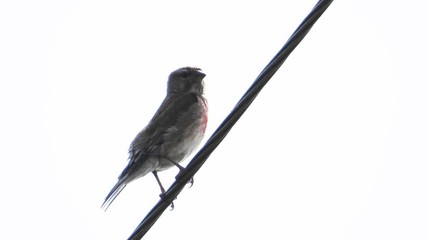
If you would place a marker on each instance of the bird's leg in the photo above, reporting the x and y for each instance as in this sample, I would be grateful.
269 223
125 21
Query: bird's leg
181 169
176 164
158 181
162 195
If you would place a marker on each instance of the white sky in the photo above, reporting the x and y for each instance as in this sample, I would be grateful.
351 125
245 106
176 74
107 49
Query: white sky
333 148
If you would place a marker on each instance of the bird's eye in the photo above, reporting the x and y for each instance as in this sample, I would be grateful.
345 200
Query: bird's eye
185 74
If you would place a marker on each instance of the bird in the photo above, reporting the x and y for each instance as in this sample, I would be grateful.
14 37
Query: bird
173 133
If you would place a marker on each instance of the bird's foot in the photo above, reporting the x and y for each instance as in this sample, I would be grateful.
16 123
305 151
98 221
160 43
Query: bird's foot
162 196
179 177
191 182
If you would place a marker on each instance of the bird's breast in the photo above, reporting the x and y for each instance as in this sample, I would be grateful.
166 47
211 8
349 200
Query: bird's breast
195 132
204 118
190 133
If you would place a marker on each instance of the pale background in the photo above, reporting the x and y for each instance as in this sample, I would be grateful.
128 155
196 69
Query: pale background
333 148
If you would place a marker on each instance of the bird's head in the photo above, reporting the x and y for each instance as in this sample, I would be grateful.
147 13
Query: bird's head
186 79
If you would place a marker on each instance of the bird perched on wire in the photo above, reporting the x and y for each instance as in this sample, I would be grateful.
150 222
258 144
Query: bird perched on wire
175 130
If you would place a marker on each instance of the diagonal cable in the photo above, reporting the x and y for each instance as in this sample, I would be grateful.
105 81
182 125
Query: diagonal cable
216 138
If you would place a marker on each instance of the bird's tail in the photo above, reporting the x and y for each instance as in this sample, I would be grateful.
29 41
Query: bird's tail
115 191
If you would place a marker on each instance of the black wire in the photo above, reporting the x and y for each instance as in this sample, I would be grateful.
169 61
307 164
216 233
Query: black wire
216 138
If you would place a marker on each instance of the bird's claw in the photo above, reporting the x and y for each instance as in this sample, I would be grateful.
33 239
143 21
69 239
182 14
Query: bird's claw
162 196
179 176
191 182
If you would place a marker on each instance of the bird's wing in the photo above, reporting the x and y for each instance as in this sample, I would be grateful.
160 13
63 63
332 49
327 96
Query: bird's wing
150 138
